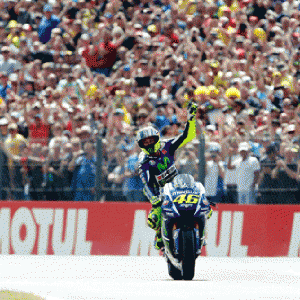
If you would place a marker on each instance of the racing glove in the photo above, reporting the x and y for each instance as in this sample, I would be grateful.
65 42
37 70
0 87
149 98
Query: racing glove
155 201
154 218
192 110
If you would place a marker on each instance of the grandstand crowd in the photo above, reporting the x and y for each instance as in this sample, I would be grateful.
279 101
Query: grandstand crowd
72 72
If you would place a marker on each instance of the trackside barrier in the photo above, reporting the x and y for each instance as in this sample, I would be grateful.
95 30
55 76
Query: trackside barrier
92 228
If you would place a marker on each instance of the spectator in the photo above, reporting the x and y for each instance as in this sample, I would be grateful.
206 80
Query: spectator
24 14
161 119
67 156
187 161
117 176
230 176
214 174
15 144
85 174
72 88
8 65
5 86
5 177
287 169
108 53
57 136
247 170
54 176
133 186
267 185
48 22
36 174
39 129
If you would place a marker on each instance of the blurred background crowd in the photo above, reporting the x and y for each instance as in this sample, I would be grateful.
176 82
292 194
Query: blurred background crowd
74 72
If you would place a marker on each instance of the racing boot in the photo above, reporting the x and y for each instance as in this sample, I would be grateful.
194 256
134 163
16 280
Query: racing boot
154 218
154 222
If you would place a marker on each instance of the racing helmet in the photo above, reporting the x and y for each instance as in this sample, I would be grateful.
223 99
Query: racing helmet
182 181
143 135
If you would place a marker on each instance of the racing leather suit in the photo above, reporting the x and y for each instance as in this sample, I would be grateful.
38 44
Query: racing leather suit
156 171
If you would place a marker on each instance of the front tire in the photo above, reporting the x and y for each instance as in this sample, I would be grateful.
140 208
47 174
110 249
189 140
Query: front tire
188 255
174 272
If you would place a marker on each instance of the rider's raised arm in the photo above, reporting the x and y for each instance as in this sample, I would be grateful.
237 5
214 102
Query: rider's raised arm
188 135
189 132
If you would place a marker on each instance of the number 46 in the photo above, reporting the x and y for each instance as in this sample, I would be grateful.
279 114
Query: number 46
188 199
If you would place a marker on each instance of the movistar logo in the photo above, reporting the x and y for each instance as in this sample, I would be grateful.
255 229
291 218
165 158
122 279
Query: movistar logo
161 167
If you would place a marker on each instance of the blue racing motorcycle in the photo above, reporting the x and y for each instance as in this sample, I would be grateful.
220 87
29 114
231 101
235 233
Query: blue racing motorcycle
184 213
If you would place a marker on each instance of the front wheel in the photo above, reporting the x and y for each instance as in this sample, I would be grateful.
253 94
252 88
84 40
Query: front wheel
174 272
188 255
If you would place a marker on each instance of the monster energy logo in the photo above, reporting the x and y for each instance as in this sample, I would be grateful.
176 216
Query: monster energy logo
162 167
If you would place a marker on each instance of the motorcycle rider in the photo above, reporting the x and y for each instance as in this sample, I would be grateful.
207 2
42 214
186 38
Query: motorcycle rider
157 165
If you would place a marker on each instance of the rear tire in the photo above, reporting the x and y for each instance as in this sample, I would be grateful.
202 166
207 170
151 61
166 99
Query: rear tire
188 255
174 272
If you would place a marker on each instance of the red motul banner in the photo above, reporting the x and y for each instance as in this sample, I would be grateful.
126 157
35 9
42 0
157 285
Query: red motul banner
84 228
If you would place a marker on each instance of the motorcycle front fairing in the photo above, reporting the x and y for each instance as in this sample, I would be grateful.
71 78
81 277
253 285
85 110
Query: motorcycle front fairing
182 209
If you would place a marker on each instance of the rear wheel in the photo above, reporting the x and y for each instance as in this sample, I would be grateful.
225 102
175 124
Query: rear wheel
174 272
188 255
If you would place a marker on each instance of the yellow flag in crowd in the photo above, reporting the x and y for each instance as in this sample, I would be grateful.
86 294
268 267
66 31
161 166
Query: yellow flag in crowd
127 116
182 4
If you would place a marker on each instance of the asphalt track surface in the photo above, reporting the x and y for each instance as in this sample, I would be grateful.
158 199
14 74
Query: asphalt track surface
116 277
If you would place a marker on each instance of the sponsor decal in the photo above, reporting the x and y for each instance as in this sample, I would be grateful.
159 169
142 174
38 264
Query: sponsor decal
44 231
152 162
170 214
161 167
166 202
164 151
187 199
68 228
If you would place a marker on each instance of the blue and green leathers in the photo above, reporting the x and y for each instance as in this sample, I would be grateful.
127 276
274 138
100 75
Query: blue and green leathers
157 170
157 166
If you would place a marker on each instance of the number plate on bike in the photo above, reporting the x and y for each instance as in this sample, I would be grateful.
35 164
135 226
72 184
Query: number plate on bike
187 199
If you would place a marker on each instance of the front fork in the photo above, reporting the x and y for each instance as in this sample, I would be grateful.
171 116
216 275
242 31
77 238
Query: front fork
176 238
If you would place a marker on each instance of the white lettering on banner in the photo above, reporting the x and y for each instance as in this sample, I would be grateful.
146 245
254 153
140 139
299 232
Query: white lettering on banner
82 247
226 234
237 250
43 217
75 231
4 230
295 237
142 237
63 247
212 249
21 217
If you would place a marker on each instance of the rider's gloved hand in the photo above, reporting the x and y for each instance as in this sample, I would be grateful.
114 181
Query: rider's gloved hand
154 218
192 110
155 201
